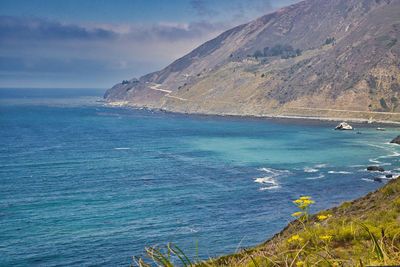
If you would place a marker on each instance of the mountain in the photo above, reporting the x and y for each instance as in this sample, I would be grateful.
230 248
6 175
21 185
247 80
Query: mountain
316 58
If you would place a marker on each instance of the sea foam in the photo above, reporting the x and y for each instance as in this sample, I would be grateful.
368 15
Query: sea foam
310 170
338 172
269 182
316 177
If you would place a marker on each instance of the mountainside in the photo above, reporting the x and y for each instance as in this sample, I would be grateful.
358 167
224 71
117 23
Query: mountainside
351 228
363 232
317 58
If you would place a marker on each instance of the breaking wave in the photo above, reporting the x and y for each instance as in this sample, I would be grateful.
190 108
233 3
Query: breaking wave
269 182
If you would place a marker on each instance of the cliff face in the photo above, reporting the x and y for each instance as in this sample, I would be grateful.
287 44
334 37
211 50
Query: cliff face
323 58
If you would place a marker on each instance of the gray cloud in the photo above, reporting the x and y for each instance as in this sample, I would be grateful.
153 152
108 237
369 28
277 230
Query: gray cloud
33 28
175 32
40 29
34 50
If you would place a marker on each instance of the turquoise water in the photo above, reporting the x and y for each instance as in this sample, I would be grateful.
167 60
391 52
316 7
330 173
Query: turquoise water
85 185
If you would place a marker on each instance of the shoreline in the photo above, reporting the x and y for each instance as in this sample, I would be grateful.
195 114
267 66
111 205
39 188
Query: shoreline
281 119
368 206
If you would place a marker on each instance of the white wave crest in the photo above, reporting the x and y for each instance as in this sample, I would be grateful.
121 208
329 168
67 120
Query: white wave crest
274 172
389 149
121 148
322 165
269 182
310 170
339 172
316 177
265 180
269 188
367 179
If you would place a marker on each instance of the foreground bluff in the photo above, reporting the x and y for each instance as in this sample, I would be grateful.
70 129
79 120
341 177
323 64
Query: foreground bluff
321 58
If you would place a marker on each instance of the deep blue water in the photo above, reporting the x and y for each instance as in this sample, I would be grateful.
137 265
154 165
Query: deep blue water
84 185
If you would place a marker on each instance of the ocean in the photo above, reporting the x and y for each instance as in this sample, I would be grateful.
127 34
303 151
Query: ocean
82 184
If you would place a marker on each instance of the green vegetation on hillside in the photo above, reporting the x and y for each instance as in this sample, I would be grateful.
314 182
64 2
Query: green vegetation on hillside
330 40
285 51
383 104
363 232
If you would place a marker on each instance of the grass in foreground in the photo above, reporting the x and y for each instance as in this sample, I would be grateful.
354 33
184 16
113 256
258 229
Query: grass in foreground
363 232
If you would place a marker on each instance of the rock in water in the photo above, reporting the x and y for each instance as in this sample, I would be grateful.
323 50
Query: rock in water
344 126
396 140
375 168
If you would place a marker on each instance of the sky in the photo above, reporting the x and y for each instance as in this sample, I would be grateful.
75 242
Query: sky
98 43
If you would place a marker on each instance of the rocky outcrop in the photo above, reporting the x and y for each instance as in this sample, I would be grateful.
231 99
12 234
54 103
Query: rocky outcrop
396 140
344 126
375 168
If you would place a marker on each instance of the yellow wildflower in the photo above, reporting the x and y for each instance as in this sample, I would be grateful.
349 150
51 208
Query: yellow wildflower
309 202
295 238
305 198
375 263
298 201
329 215
299 263
303 206
335 264
322 217
297 213
325 237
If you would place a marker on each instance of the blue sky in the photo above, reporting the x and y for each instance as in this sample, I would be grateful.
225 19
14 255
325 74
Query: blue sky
97 43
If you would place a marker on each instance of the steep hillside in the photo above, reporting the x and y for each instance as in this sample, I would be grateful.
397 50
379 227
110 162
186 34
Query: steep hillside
340 236
363 232
317 58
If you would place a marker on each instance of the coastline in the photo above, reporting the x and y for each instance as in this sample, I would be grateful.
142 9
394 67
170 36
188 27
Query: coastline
282 119
292 228
353 214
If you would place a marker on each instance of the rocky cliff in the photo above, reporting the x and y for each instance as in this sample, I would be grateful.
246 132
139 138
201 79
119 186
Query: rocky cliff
317 58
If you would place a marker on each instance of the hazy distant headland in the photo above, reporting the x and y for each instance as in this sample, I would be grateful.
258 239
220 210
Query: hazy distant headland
317 58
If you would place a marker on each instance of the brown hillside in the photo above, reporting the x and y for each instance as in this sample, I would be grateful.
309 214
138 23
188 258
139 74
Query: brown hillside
317 58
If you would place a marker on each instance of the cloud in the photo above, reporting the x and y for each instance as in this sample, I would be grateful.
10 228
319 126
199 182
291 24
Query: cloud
34 28
34 47
39 50
27 29
173 31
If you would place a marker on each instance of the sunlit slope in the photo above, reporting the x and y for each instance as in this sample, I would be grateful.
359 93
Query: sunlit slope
320 58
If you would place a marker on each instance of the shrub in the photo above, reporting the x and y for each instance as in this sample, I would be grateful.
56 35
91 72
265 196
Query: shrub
392 42
395 87
257 54
285 51
330 40
371 81
383 104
